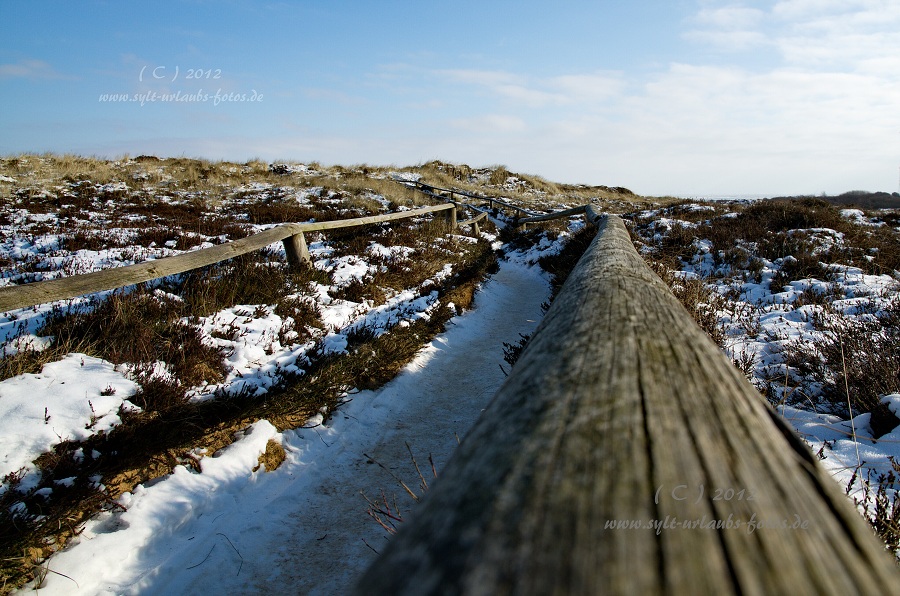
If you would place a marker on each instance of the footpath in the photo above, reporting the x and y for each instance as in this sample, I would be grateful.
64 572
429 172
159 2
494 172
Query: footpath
304 528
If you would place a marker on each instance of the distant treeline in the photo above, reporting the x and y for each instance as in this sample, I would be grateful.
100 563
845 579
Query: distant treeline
861 198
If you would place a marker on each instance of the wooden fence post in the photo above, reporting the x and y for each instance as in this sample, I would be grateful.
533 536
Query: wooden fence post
625 454
296 250
451 217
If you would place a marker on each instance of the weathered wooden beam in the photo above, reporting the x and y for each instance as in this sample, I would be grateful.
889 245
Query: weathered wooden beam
371 219
626 455
12 297
592 215
474 222
555 215
451 218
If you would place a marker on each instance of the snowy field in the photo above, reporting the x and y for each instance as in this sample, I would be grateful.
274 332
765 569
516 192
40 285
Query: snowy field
221 522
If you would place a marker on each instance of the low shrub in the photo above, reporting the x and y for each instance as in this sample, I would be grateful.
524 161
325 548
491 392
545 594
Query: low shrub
855 358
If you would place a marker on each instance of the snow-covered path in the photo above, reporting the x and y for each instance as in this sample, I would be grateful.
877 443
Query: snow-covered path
301 529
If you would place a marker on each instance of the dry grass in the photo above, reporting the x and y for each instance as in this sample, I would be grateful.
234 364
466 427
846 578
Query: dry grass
879 503
562 264
853 359
272 458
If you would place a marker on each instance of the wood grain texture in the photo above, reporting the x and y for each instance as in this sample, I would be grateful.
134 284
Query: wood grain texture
621 408
21 296
296 251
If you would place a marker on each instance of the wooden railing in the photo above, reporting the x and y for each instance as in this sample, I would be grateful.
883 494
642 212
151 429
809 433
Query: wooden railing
449 194
291 234
625 454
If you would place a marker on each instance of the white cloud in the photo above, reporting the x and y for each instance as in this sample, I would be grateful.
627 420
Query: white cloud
504 84
29 69
822 35
491 123
485 78
542 92
590 87
730 17
701 129
804 9
732 28
728 40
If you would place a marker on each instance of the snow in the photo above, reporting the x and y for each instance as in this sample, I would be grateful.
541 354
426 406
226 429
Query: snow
857 216
250 336
406 176
72 399
846 446
230 529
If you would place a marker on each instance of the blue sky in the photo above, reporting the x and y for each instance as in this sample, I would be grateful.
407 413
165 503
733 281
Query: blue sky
687 97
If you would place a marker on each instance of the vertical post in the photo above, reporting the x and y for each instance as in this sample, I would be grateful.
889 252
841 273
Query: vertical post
296 250
477 229
451 218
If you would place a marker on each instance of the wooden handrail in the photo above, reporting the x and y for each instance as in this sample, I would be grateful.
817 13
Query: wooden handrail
24 295
625 454
554 215
475 219
474 222
421 186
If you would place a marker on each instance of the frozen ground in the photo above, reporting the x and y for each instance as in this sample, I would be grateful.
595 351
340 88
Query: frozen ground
303 528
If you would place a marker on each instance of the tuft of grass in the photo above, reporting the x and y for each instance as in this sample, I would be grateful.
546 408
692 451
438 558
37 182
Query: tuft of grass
879 503
387 512
272 458
135 328
512 352
850 355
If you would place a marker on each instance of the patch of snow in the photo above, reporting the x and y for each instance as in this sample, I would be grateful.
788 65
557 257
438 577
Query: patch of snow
406 176
72 399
